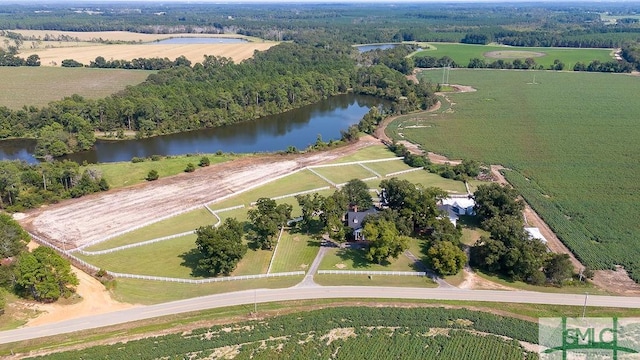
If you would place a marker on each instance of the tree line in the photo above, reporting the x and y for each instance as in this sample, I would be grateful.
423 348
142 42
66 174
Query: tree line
42 274
509 250
624 66
213 93
25 186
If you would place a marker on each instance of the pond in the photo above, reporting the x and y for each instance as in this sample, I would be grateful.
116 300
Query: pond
298 127
199 40
365 48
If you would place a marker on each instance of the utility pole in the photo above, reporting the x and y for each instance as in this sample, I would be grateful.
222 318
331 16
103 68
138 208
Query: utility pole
584 308
255 302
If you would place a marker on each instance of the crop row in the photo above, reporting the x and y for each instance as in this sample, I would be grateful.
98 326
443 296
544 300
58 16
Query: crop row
349 332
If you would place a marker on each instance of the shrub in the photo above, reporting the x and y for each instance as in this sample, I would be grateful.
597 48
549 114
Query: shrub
156 157
152 175
136 159
190 168
204 161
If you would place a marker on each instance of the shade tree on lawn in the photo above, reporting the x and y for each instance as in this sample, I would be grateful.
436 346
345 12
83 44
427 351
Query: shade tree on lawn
266 219
220 248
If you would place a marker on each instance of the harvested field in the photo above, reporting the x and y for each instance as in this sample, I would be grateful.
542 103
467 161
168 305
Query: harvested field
193 52
92 218
513 54
114 35
37 86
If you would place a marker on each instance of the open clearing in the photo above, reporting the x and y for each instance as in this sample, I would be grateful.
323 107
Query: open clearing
194 52
513 54
87 36
462 53
38 86
91 218
86 48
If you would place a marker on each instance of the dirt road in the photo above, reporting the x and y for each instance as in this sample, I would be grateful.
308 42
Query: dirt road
80 221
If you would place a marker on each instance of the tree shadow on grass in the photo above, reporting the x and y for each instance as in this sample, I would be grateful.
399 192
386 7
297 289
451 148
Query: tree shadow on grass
470 222
357 258
190 259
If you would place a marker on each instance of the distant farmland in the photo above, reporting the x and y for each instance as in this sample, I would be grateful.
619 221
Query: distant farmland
138 46
38 86
572 139
462 53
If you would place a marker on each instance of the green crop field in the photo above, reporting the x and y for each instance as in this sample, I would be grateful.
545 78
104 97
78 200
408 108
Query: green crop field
37 86
339 333
571 140
462 53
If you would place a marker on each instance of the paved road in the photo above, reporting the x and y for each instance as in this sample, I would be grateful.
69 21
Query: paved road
304 293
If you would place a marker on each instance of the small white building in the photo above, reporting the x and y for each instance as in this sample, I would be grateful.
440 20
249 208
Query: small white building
456 206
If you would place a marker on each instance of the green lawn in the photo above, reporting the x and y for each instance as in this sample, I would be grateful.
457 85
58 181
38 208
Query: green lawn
372 152
375 280
174 225
300 181
171 258
153 292
387 167
462 53
163 258
37 86
577 288
296 252
428 179
127 173
352 259
571 140
344 173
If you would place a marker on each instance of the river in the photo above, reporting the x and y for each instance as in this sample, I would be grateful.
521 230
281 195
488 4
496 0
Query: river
298 127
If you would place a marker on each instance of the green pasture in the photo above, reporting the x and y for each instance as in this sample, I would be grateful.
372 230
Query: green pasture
300 181
122 174
344 173
427 179
374 280
174 225
462 53
37 86
353 259
372 152
171 258
296 252
387 167
571 139
146 292
164 258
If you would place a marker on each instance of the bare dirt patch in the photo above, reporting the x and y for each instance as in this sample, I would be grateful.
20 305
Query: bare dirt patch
95 300
339 334
513 54
81 221
616 281
475 282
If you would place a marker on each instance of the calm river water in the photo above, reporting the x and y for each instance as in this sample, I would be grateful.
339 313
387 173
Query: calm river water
299 128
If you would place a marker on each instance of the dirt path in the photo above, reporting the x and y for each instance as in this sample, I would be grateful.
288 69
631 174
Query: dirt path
95 300
81 221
